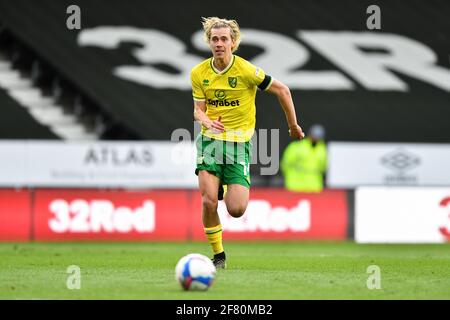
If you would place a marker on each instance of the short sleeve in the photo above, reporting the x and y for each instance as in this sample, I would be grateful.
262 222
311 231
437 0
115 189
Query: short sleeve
197 90
259 78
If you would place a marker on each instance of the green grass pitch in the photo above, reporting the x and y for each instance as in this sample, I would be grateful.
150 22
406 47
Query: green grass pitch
256 270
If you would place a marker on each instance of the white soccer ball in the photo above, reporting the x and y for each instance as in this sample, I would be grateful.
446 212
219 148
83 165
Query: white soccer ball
195 272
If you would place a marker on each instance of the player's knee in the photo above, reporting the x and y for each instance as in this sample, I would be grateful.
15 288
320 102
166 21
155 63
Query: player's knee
236 211
209 202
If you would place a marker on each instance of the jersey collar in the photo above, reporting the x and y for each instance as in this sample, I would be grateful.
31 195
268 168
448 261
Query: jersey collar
224 70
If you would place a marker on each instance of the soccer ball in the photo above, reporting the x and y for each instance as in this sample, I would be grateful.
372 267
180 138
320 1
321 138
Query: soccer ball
195 272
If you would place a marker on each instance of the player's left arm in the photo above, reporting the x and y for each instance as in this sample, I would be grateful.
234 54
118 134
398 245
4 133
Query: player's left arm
282 92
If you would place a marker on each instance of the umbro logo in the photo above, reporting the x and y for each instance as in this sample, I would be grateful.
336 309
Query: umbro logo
400 161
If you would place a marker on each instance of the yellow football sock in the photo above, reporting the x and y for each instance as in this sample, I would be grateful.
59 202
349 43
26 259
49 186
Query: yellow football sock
214 235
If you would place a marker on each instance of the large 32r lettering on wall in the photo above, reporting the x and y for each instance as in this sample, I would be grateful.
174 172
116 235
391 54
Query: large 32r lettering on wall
283 57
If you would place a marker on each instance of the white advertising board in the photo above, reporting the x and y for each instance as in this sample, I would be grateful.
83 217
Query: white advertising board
402 215
396 164
98 164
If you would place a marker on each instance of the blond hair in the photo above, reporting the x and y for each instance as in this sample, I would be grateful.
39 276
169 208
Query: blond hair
216 23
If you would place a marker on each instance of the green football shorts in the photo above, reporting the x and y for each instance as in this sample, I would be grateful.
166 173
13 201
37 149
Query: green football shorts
228 160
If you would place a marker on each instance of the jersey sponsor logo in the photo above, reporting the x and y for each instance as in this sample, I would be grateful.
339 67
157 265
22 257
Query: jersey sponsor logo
223 103
232 81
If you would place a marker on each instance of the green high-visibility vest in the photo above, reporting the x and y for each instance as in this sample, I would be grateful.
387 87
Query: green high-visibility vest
303 166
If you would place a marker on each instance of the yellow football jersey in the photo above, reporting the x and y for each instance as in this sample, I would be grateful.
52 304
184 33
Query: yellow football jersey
229 94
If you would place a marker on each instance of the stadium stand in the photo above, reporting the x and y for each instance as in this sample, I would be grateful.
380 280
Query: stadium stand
38 95
152 112
16 122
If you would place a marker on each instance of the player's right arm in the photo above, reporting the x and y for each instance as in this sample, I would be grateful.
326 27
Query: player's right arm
200 106
201 117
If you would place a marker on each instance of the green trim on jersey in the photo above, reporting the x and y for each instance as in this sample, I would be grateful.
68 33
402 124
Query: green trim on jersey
225 70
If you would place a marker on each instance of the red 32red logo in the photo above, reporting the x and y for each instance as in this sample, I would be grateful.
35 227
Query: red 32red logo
445 230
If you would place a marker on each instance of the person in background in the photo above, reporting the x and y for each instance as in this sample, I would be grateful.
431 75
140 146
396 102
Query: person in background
304 162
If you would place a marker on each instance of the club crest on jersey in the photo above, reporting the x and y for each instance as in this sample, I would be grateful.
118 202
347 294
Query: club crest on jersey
232 81
206 82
